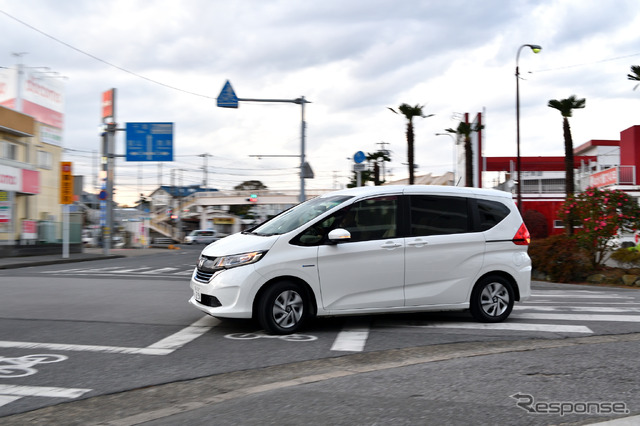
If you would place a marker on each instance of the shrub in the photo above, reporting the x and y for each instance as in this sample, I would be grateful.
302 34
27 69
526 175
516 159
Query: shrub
629 257
536 223
599 216
560 258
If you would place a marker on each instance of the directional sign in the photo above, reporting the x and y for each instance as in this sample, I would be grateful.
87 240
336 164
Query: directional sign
227 97
359 157
149 142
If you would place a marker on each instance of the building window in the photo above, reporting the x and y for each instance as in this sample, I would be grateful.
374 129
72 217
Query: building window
9 150
45 160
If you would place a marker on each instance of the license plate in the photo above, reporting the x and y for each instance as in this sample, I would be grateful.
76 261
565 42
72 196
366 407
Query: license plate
197 294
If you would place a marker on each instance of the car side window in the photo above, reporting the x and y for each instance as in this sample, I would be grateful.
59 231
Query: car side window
491 213
371 219
438 215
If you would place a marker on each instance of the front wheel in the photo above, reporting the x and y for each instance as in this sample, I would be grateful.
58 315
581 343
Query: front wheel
283 308
492 299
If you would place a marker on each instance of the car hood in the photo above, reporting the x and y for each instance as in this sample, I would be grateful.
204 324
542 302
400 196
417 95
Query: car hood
239 243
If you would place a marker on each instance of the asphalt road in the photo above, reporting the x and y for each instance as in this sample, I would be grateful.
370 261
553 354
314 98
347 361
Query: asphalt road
115 342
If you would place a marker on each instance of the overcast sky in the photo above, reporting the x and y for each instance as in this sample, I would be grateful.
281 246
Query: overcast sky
352 59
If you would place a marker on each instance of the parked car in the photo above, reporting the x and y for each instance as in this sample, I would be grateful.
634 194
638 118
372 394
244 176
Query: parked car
371 250
201 236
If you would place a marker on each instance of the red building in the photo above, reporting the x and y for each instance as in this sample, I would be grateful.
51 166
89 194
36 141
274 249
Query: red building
613 164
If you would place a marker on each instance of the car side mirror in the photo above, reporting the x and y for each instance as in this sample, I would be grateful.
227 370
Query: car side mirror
339 235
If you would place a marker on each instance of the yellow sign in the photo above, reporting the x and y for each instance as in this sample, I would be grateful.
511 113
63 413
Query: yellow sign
66 183
224 220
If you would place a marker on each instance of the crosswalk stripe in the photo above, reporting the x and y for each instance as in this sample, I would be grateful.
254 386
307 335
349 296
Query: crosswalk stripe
352 338
582 296
512 326
577 317
599 309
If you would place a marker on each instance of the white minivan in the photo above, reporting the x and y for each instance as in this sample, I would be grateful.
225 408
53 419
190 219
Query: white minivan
367 250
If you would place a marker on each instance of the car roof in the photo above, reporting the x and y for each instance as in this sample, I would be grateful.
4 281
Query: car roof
418 189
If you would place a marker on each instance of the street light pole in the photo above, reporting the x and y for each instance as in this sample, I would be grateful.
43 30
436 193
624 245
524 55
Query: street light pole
535 48
455 157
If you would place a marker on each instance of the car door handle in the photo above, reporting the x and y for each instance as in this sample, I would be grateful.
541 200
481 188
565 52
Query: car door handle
417 243
390 245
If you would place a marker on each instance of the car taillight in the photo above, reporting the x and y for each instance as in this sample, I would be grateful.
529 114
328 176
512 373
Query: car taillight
522 237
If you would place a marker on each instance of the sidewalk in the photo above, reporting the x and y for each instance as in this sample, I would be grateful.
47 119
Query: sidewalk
86 255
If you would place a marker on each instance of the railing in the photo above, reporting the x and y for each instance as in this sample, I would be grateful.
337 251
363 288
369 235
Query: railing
543 186
620 175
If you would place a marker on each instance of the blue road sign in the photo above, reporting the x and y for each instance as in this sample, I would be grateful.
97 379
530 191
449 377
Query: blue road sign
359 157
149 142
227 97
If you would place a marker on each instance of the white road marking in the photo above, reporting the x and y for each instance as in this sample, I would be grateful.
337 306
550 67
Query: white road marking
570 295
352 338
6 399
160 271
578 317
134 270
11 393
600 309
162 347
49 392
186 335
511 326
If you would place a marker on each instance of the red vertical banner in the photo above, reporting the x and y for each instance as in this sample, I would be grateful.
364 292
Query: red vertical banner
109 105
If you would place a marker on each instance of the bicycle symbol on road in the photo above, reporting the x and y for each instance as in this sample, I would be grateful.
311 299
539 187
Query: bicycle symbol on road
23 366
259 334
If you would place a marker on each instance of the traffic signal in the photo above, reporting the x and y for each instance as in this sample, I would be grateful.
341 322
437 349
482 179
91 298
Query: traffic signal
253 198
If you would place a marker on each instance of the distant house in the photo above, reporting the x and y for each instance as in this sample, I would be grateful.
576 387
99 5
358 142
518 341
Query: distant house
165 195
428 179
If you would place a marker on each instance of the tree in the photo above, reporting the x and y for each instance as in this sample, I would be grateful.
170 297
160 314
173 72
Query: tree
603 214
246 186
566 107
410 112
376 158
250 185
464 130
373 173
635 75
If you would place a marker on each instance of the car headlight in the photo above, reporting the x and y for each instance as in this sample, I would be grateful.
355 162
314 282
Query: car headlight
226 262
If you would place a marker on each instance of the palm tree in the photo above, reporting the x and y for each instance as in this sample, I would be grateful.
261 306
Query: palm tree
464 130
410 112
566 107
635 75
377 158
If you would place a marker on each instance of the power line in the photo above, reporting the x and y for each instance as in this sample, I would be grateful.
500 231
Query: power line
102 60
588 63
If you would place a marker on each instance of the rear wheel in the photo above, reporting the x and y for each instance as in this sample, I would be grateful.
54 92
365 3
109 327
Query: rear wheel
283 308
492 299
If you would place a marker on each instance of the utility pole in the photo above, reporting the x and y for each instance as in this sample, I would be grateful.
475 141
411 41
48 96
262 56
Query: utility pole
385 152
229 99
205 169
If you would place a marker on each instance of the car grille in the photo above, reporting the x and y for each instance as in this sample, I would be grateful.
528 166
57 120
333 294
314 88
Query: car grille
202 276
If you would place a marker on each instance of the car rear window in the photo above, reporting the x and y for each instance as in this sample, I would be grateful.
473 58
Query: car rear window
491 213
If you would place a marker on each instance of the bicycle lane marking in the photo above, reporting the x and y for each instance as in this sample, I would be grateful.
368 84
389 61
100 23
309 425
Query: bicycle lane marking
11 393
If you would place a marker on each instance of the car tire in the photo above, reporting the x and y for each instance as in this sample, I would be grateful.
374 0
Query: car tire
283 308
492 299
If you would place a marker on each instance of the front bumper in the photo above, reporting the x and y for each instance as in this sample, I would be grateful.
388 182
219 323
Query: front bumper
228 294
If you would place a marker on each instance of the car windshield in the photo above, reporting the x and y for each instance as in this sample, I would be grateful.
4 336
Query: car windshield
299 215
